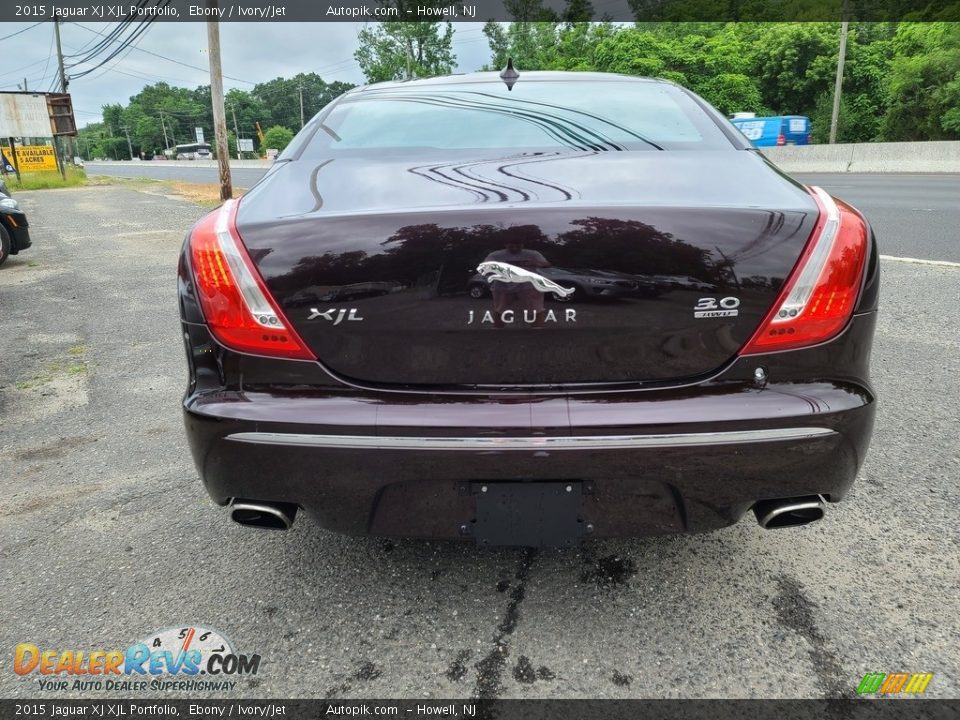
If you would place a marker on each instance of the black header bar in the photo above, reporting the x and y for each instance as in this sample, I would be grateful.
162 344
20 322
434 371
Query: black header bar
473 709
478 10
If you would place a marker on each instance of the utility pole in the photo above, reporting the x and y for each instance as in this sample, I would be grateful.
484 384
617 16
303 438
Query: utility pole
126 131
300 88
838 85
63 78
236 130
63 75
166 142
219 114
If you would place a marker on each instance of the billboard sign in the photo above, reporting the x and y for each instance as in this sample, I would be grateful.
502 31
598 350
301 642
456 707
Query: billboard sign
33 158
24 115
199 132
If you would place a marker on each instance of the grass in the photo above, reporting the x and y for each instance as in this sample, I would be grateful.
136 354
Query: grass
203 194
58 369
206 194
76 177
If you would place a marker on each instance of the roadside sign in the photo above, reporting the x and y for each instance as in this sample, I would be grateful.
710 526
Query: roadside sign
199 132
272 153
245 144
5 163
24 115
33 158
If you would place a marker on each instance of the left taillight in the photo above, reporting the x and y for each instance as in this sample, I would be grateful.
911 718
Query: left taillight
236 304
821 293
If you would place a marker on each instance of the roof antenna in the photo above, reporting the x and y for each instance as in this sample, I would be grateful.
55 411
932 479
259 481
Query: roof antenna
509 75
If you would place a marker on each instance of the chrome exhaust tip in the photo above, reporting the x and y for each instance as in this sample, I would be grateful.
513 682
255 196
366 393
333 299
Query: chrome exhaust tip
263 515
789 512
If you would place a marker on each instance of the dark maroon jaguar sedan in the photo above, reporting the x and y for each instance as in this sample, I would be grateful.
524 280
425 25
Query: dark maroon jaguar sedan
340 364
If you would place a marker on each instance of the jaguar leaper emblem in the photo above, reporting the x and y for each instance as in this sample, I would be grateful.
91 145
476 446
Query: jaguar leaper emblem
505 272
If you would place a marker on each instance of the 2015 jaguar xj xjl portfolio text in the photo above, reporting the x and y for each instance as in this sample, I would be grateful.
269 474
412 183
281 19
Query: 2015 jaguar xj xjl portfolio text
531 311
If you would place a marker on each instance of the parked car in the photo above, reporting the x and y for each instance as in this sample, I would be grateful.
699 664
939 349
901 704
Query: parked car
512 421
14 229
774 131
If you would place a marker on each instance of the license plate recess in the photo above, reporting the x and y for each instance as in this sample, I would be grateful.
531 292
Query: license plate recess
533 514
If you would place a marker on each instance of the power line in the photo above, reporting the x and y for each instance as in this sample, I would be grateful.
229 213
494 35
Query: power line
132 46
178 62
29 27
109 38
134 36
23 67
49 55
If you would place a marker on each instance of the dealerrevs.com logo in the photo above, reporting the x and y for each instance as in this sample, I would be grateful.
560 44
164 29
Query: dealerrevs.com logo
191 658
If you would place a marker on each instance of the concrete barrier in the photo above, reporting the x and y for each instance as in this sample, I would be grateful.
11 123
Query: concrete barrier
185 163
942 156
902 157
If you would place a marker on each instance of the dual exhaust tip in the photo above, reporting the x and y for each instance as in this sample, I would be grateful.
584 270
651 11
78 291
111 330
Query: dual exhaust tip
771 514
789 512
262 514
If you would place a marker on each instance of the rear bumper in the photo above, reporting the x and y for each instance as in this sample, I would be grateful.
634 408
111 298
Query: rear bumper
387 464
19 230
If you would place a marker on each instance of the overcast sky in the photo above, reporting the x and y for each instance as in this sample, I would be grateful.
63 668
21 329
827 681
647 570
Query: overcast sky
251 53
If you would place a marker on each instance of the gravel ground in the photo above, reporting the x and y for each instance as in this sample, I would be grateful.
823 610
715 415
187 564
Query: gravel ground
107 535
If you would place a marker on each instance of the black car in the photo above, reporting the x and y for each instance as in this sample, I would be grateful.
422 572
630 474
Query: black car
14 229
504 419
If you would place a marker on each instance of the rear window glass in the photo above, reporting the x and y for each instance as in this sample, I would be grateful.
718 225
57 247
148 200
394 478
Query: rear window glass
546 115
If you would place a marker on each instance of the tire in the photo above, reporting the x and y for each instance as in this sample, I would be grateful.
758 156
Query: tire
477 291
5 244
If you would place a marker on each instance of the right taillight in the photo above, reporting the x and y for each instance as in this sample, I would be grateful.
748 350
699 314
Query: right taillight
821 293
781 140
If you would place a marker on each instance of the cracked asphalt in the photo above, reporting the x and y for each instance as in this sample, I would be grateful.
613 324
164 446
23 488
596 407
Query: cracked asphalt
107 535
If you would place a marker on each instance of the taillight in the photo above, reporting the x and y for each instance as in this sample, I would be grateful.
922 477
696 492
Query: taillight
821 293
236 304
781 139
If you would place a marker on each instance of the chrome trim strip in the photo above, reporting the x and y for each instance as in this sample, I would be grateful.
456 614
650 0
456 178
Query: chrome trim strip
581 442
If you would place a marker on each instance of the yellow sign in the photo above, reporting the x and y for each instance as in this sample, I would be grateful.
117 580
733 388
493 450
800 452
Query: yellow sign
33 158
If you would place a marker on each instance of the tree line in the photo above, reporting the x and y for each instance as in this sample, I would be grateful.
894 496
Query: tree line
162 116
901 80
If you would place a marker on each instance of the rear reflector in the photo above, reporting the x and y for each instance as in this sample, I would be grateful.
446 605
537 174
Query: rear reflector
821 293
236 304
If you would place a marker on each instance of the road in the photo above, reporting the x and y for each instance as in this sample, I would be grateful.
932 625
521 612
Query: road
911 213
106 534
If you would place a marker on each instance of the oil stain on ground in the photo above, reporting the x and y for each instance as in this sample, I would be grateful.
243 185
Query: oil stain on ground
607 572
524 671
490 668
365 673
796 611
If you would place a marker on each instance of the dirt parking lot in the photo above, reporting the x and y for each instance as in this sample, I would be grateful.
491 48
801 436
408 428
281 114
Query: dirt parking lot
106 534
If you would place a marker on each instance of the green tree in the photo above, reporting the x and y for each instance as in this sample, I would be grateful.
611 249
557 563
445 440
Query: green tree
924 84
277 137
277 101
397 50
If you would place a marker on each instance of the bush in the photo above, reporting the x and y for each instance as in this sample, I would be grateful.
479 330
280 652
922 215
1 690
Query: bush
276 137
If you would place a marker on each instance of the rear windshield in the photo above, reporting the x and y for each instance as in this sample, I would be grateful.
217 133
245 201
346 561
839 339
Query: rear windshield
545 115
